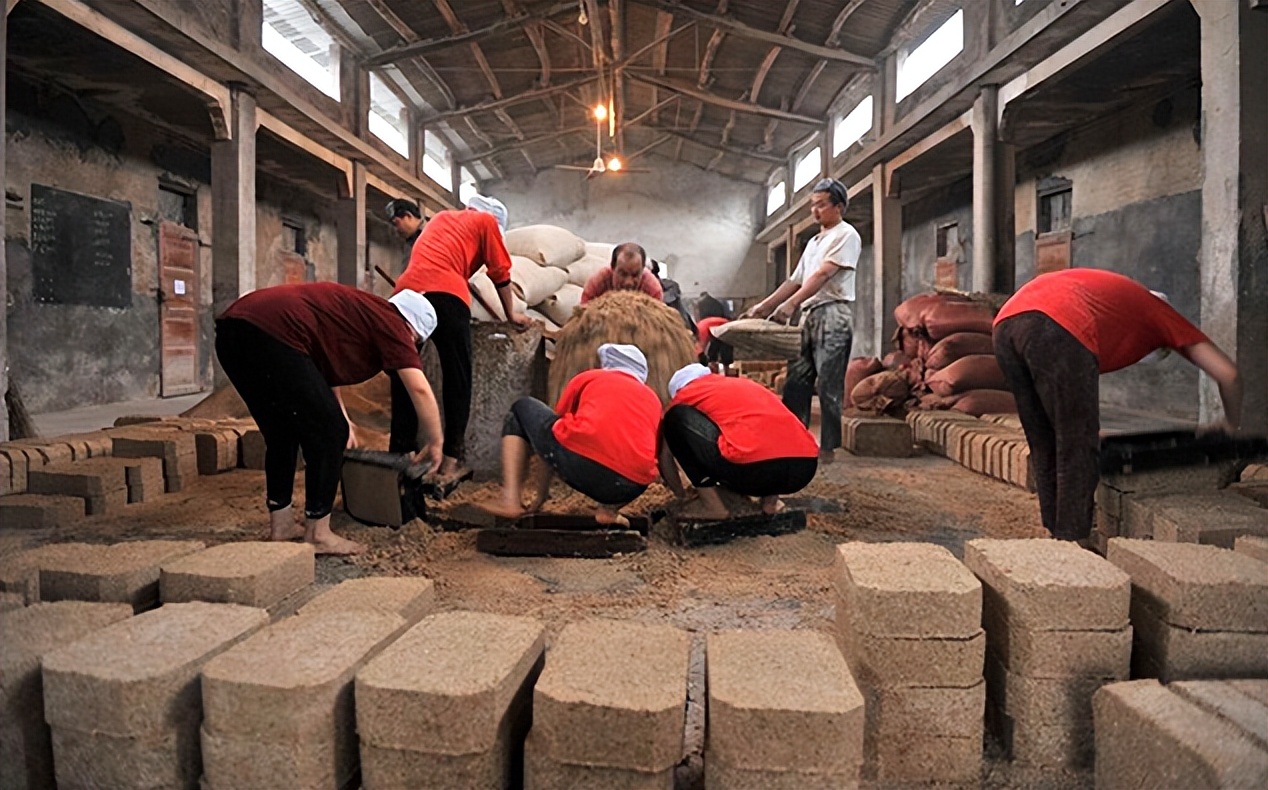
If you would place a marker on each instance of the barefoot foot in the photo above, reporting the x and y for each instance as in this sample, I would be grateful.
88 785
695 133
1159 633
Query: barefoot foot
335 546
610 517
292 531
772 505
502 509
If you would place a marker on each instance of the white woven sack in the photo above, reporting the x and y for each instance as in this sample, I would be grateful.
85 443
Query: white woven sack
547 245
484 286
558 308
757 338
602 249
579 273
535 283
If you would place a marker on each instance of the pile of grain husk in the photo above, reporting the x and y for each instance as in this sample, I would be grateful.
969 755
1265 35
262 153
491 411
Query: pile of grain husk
623 317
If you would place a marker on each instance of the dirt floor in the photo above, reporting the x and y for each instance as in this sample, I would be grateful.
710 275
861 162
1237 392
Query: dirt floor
765 582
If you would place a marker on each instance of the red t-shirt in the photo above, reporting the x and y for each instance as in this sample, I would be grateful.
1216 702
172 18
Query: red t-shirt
755 423
350 335
601 282
611 418
1114 317
451 249
704 333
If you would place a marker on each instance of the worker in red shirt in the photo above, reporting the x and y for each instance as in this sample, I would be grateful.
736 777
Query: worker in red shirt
452 247
628 272
284 349
711 351
1053 339
600 437
736 434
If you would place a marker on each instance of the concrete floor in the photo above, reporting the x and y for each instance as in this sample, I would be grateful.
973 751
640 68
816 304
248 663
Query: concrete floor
92 418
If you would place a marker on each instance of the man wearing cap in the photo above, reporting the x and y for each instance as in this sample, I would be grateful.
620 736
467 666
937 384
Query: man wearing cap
627 272
451 248
1053 339
823 287
407 221
735 434
600 437
284 349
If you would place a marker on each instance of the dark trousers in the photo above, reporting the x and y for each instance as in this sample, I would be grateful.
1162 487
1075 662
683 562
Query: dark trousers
532 421
294 408
693 439
1056 381
453 345
827 333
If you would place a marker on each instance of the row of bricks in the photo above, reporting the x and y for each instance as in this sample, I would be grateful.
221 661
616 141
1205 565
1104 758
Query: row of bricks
877 437
993 445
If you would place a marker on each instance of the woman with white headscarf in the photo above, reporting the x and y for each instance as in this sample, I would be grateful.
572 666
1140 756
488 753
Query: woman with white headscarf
600 437
735 434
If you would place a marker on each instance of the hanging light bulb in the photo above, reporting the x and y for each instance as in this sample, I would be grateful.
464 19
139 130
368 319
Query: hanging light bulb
600 112
614 164
581 17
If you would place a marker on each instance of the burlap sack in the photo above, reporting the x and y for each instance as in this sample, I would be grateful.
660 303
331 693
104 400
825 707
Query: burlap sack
533 283
859 369
881 392
580 272
547 245
484 286
559 307
954 347
979 402
974 372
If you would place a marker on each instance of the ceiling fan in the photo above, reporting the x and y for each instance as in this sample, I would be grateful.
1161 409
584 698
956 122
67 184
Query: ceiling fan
599 166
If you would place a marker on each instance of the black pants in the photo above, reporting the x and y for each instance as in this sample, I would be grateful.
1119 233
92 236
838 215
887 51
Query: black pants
693 439
1056 381
294 408
532 421
453 345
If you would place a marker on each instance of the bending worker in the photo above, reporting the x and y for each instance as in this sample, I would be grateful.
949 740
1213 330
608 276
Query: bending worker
1053 339
600 438
450 250
823 287
733 433
284 348
627 272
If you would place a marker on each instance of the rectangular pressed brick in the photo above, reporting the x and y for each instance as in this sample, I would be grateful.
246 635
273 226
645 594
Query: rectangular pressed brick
1056 654
782 700
20 573
1171 653
1150 736
879 437
945 712
1209 477
1197 587
26 748
177 449
543 771
94 477
321 757
89 759
145 479
1049 584
1248 711
140 676
1214 518
217 450
1065 701
412 598
720 775
1250 545
118 573
251 573
382 767
40 511
907 661
1255 490
908 590
614 694
251 450
926 758
448 684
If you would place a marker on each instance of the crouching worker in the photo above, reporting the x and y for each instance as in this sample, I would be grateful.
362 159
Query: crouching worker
600 438
284 349
733 433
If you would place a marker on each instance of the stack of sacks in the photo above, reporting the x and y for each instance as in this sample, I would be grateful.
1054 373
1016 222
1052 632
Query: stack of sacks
542 259
859 369
909 624
1056 618
546 245
947 337
598 256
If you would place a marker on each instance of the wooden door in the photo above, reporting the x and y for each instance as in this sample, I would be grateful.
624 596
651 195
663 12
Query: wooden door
294 268
1052 251
178 310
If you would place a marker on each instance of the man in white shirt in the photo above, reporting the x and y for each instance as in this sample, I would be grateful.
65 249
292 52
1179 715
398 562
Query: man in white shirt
823 287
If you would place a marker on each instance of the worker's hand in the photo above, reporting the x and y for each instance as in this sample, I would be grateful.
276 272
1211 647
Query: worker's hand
784 313
756 311
429 457
353 441
521 321
1221 427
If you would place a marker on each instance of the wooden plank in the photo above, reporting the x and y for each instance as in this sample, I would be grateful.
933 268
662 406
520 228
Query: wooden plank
568 521
509 542
704 533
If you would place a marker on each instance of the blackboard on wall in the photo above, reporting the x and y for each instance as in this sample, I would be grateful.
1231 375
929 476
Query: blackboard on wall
81 249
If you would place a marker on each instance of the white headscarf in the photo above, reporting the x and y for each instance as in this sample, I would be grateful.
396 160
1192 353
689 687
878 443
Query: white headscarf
685 376
491 206
1158 354
625 358
417 311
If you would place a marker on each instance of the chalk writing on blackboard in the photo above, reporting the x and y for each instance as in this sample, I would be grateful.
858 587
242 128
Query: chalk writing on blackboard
81 249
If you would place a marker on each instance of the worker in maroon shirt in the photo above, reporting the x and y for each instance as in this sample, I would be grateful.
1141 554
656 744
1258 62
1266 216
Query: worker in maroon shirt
600 438
284 349
1053 339
735 434
627 272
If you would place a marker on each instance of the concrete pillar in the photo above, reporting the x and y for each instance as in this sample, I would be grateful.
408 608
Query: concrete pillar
1005 217
985 183
350 227
233 205
4 267
887 258
1234 254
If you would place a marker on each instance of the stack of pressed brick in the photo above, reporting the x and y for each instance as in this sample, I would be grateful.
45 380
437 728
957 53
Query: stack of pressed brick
1252 546
449 703
783 712
102 483
18 457
20 572
176 448
1197 735
909 624
1056 619
251 573
117 573
124 702
993 445
278 708
763 371
1198 611
26 747
609 710
1174 504
877 437
1253 484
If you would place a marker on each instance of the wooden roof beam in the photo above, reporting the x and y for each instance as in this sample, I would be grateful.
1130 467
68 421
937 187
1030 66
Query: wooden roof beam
510 24
510 101
721 101
727 149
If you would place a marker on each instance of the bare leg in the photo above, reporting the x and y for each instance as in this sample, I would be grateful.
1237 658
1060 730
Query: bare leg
282 525
771 505
325 541
514 459
542 493
709 506
451 468
606 514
